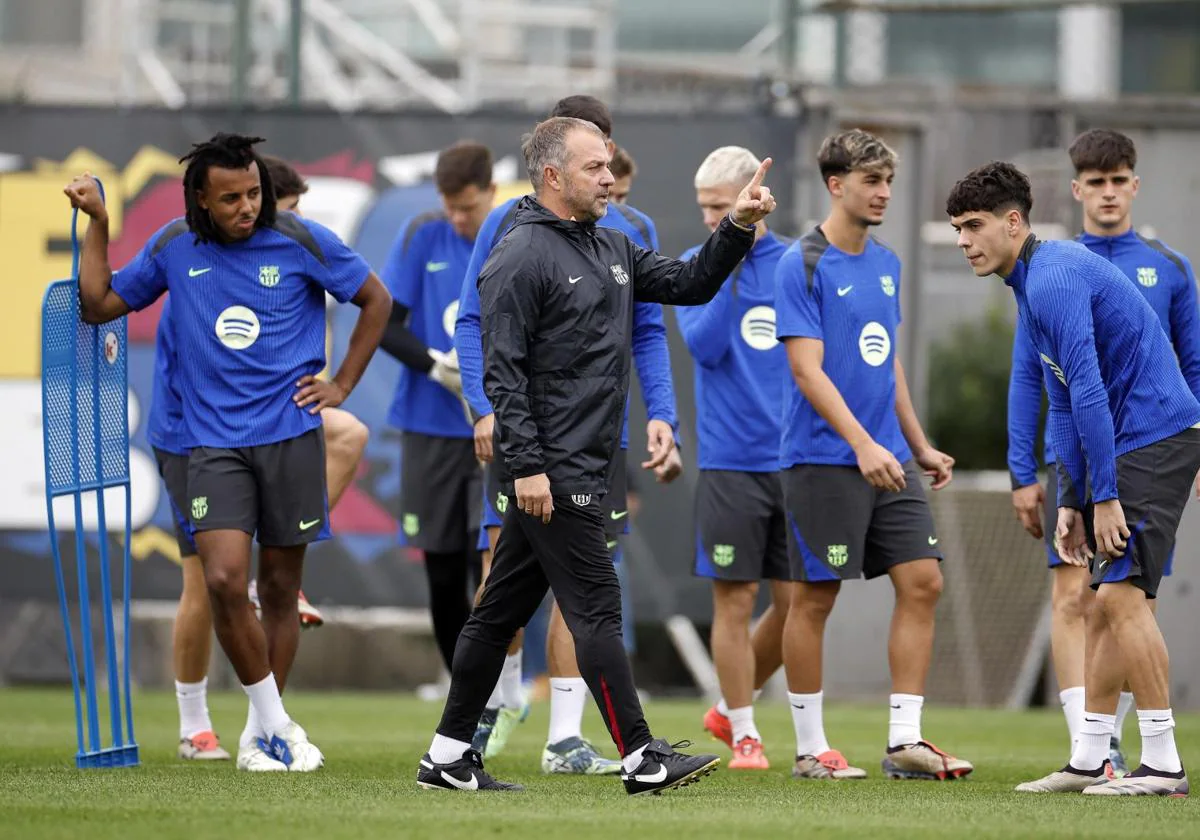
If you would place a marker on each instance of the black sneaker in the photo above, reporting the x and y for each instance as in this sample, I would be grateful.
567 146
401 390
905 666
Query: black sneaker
663 769
465 774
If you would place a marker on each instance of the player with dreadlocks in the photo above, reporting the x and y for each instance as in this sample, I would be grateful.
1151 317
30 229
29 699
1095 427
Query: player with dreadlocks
248 321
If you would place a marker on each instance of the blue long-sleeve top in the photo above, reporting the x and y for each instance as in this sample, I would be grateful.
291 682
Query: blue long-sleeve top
741 368
1111 374
1165 279
651 354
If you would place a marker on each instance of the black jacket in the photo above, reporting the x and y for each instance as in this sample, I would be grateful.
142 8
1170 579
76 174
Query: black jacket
556 305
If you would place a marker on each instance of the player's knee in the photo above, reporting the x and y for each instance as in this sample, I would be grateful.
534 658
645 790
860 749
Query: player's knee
347 438
734 601
1072 604
1119 601
922 589
226 584
813 602
278 590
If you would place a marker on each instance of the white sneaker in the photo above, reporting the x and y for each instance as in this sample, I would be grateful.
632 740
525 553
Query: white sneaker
291 746
254 758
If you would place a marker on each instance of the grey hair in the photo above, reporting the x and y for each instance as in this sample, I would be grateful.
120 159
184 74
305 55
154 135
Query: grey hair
547 145
734 165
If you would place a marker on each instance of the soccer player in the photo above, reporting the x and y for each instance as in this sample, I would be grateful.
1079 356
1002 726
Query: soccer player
624 169
1124 426
852 454
191 640
248 314
441 483
566 751
556 300
1105 184
740 373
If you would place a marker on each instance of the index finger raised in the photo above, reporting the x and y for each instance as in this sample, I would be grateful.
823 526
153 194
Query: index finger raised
761 173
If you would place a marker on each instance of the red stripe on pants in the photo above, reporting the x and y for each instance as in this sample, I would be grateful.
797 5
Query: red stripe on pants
612 717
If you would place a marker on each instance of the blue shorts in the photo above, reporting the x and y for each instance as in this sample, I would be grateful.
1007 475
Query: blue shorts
1050 522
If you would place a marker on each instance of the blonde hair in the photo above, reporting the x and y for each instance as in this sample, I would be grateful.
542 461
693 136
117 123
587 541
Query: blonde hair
734 165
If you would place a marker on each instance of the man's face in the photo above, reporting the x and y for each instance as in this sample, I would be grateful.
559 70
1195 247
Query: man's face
233 197
1107 197
467 208
864 193
290 203
586 180
716 202
987 241
618 193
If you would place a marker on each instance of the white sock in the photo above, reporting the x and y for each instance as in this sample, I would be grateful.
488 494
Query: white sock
1158 740
496 698
253 730
1072 706
193 707
568 696
742 721
512 695
1091 749
808 723
1123 707
632 761
264 696
722 707
445 750
904 724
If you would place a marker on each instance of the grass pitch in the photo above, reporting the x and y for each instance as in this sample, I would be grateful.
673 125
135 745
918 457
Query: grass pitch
372 743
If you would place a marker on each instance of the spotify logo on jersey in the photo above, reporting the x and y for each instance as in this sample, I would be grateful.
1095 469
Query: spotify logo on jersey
237 327
758 328
449 317
874 343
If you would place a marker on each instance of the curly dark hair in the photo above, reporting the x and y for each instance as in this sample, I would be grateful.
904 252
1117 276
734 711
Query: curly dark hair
996 187
227 151
1104 150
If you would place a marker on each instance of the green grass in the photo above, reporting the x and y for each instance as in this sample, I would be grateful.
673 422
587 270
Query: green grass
372 743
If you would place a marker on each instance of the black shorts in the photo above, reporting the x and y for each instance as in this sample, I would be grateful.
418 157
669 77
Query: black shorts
841 528
614 504
1050 523
741 533
275 491
174 471
1153 484
440 493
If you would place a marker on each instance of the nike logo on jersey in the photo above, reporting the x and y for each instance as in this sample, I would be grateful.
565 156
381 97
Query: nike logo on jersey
196 272
933 540
619 514
843 292
459 783
652 778
304 526
573 280
436 266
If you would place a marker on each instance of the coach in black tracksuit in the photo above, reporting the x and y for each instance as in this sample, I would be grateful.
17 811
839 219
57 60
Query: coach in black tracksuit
556 300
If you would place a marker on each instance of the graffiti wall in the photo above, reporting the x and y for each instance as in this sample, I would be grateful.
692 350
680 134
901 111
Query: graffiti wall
367 175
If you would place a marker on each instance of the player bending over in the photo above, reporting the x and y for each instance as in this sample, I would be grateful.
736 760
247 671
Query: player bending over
1105 184
1123 423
